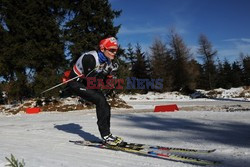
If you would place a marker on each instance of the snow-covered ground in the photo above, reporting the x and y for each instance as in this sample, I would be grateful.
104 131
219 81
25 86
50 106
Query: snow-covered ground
238 98
233 93
153 96
42 139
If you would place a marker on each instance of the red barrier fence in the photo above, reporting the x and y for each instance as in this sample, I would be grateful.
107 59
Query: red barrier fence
166 108
33 110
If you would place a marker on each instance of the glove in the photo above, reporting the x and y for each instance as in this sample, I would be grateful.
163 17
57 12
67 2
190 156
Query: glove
110 69
103 71
106 70
114 70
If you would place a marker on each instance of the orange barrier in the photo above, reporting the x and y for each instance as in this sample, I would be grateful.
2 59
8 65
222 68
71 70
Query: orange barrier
33 110
166 108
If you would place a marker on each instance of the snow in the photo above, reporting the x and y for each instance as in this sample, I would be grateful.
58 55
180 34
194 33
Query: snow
217 97
228 93
155 96
42 140
70 100
239 93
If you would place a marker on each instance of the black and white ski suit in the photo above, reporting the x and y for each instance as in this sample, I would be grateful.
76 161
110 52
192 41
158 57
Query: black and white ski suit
90 65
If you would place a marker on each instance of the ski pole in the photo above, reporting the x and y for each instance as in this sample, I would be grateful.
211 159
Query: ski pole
70 80
61 83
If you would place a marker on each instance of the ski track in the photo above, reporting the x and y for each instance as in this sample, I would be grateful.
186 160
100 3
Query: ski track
42 139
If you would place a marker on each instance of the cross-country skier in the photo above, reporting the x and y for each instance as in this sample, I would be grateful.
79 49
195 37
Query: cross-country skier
96 64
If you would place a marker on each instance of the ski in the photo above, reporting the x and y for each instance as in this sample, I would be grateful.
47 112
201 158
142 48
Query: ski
169 149
160 148
146 151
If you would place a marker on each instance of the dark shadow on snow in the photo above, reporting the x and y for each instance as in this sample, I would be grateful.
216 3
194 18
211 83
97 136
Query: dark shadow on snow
77 129
230 133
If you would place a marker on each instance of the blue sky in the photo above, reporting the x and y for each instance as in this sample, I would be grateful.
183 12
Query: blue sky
226 23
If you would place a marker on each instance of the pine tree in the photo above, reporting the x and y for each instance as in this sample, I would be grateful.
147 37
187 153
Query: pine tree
139 69
220 81
130 55
229 75
32 43
225 75
246 69
89 22
236 74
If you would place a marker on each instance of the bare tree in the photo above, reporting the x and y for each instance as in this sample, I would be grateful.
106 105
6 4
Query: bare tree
161 62
181 57
208 54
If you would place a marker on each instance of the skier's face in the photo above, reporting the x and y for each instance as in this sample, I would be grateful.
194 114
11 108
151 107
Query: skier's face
110 53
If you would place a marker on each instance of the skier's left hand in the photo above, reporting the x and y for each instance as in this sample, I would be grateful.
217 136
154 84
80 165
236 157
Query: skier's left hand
108 70
114 70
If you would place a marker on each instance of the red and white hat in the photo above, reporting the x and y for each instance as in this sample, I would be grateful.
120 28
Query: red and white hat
108 43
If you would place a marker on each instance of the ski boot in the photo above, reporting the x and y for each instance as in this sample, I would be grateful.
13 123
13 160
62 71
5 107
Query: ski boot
112 140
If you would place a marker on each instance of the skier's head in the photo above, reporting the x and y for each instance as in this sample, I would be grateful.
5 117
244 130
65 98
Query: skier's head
109 47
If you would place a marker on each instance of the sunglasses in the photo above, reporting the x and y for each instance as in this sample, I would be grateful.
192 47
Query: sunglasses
112 50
